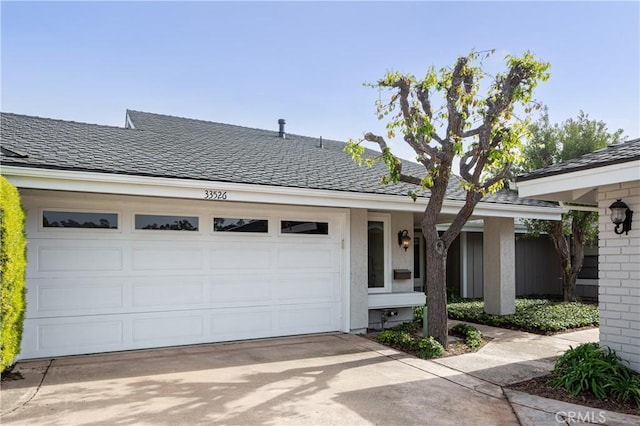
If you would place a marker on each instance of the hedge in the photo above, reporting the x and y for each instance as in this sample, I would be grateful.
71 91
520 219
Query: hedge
13 246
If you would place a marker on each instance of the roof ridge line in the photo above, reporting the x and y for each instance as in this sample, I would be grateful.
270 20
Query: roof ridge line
60 120
233 125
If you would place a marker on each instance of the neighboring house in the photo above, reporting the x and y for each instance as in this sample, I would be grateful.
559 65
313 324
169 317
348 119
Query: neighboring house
176 231
600 178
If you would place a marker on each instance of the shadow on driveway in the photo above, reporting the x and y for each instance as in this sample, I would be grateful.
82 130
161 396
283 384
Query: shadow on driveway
322 379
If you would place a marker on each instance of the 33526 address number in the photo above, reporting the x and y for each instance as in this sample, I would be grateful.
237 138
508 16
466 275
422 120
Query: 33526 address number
215 195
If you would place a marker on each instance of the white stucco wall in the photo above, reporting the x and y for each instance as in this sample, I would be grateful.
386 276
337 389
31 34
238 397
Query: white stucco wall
499 266
619 275
401 259
359 315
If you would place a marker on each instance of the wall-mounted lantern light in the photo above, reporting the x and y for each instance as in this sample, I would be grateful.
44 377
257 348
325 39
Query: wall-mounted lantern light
621 215
404 240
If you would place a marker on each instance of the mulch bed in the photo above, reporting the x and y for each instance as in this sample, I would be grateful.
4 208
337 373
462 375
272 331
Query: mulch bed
540 387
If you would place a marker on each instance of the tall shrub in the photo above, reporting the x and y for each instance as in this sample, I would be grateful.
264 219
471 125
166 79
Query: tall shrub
13 262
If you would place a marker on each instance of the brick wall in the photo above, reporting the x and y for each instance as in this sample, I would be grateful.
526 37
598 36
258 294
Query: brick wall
619 272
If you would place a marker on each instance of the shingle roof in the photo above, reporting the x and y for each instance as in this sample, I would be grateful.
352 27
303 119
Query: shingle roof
614 154
173 147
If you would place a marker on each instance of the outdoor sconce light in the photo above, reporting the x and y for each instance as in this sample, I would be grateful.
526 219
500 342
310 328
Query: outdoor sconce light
404 240
621 215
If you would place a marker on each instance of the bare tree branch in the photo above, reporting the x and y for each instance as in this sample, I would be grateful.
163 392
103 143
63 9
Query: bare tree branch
376 139
410 179
398 164
454 125
473 132
423 97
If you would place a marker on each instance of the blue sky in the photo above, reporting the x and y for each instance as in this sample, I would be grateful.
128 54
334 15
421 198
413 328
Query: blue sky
250 63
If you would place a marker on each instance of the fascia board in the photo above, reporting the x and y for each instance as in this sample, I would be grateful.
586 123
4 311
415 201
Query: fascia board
550 187
62 180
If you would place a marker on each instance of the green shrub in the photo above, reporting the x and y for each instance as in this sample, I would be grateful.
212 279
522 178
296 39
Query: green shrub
428 347
534 315
471 335
599 371
418 314
12 269
387 337
422 347
410 327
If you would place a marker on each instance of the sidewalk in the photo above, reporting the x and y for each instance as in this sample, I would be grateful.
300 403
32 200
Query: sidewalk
515 356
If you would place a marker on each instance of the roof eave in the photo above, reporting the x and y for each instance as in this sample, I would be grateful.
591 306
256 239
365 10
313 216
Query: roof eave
79 181
578 185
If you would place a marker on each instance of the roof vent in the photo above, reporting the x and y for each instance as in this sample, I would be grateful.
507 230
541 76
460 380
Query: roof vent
281 124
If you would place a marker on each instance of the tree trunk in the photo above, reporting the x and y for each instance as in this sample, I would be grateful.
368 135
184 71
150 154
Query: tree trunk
579 227
436 258
437 247
562 247
436 288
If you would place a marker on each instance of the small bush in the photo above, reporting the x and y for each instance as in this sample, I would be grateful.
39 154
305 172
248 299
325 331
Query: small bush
388 337
418 314
599 371
428 347
12 272
534 315
471 335
422 347
409 327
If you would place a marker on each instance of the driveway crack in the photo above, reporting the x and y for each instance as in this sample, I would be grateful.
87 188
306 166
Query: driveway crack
44 375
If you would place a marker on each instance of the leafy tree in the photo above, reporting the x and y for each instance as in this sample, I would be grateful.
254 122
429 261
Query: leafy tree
551 144
480 130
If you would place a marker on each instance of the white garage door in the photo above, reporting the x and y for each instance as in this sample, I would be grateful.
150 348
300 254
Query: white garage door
107 273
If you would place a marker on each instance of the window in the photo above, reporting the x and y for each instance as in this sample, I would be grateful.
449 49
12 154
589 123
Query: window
295 227
55 219
226 224
378 258
166 223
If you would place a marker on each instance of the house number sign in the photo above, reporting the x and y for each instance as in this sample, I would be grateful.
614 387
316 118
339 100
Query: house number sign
215 195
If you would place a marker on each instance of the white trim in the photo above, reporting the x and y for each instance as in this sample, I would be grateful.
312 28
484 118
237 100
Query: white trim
477 225
61 180
396 300
560 187
568 207
346 277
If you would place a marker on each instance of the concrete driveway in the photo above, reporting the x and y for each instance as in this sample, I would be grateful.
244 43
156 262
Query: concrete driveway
321 379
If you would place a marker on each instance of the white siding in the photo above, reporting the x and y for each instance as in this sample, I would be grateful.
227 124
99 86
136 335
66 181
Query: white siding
619 271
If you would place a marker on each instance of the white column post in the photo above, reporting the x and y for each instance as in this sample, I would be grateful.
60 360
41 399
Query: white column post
499 261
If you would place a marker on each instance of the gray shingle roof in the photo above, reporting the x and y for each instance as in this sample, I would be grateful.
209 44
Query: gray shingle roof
173 147
614 154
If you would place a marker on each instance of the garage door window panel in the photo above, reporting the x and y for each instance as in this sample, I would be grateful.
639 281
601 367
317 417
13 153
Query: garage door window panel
166 222
79 219
240 225
304 227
